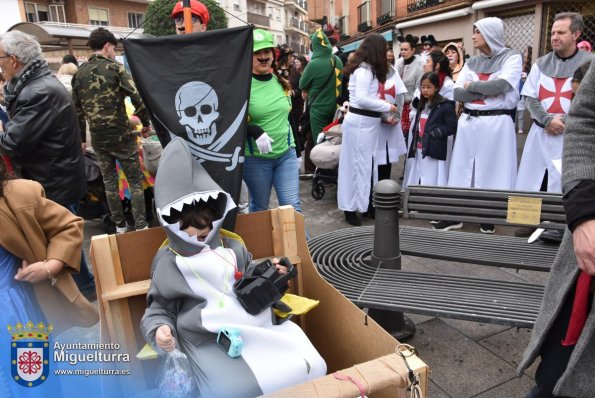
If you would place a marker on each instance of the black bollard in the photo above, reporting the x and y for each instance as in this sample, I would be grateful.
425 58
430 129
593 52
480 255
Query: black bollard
387 254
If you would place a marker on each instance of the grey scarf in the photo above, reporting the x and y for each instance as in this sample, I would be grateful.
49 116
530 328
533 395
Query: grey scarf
12 88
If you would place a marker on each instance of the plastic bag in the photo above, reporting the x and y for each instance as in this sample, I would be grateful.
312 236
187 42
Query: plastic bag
389 118
176 378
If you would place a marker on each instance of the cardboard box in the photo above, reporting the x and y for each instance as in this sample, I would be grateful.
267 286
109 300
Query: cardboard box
343 334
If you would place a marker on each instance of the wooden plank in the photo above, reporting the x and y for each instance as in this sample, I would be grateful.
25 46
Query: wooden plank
138 262
116 313
99 256
283 233
116 275
127 290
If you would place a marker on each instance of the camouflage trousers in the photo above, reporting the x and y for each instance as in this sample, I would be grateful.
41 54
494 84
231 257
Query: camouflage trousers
126 151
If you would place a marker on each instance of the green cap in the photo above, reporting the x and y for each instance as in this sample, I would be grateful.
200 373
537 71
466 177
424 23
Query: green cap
262 39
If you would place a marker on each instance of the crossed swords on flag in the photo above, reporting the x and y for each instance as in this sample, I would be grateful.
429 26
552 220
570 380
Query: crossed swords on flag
210 153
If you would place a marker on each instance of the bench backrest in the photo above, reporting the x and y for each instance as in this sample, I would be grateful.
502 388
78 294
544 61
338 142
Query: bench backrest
482 206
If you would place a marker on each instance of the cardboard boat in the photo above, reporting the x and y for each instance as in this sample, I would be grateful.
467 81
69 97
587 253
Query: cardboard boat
362 358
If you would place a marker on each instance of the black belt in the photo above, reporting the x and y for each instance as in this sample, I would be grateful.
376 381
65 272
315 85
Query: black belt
539 124
492 112
364 112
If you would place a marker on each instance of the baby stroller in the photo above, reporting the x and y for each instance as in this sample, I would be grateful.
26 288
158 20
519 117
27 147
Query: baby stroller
325 156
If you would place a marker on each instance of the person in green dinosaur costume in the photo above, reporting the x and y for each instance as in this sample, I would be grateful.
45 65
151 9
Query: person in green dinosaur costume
321 83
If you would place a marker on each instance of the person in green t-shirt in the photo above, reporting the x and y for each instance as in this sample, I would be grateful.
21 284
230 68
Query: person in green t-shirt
270 158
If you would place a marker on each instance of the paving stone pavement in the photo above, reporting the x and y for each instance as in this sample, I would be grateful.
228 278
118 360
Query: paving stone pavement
467 359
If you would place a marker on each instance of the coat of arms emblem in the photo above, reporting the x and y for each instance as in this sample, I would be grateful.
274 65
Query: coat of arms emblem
29 353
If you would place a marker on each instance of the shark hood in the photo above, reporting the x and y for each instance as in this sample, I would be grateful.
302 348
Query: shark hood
181 181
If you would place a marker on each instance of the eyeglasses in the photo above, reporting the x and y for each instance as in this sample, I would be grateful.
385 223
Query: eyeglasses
179 20
5 56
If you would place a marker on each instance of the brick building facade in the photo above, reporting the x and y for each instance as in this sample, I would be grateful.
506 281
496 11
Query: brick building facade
527 22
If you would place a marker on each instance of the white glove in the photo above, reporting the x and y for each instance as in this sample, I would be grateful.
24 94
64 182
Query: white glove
264 143
299 163
320 138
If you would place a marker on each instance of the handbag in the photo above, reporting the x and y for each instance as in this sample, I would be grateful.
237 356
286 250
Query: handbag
151 150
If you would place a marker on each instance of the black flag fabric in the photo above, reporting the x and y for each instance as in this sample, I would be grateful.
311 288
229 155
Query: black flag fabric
196 86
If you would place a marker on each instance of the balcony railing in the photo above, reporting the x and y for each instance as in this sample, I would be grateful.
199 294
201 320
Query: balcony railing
116 29
301 3
298 47
297 24
364 26
258 19
381 20
416 5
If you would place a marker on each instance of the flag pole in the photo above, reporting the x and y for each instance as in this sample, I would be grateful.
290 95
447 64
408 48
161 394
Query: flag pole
187 16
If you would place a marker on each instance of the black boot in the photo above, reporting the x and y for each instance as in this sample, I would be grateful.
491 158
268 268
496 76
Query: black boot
371 213
351 218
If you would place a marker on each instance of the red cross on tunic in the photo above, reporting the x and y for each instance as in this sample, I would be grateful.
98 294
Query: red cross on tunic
390 91
556 106
483 77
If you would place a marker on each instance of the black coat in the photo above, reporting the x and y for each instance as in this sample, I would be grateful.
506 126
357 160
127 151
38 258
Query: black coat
441 123
43 138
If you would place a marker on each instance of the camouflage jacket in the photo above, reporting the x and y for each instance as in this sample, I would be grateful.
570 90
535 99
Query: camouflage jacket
99 89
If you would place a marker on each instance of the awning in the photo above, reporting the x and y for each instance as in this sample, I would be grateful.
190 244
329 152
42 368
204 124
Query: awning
347 48
61 36
435 18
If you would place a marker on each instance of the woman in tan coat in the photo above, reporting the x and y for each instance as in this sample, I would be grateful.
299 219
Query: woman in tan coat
40 246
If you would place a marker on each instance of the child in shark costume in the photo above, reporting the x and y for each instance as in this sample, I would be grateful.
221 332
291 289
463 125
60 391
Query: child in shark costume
192 293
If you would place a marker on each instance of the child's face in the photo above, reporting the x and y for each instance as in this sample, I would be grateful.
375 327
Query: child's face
200 233
428 90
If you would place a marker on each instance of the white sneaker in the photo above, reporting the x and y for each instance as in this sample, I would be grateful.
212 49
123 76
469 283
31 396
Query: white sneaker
142 229
447 225
121 230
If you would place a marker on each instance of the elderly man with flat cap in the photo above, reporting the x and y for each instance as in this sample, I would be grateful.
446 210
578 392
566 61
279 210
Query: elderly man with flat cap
484 154
200 17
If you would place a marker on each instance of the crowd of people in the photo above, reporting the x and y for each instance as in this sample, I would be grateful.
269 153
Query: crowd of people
475 144
454 118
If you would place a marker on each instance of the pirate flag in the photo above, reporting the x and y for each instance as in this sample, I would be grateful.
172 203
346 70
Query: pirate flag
196 86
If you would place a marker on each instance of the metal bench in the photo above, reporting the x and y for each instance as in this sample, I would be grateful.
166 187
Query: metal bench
481 206
342 259
476 248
